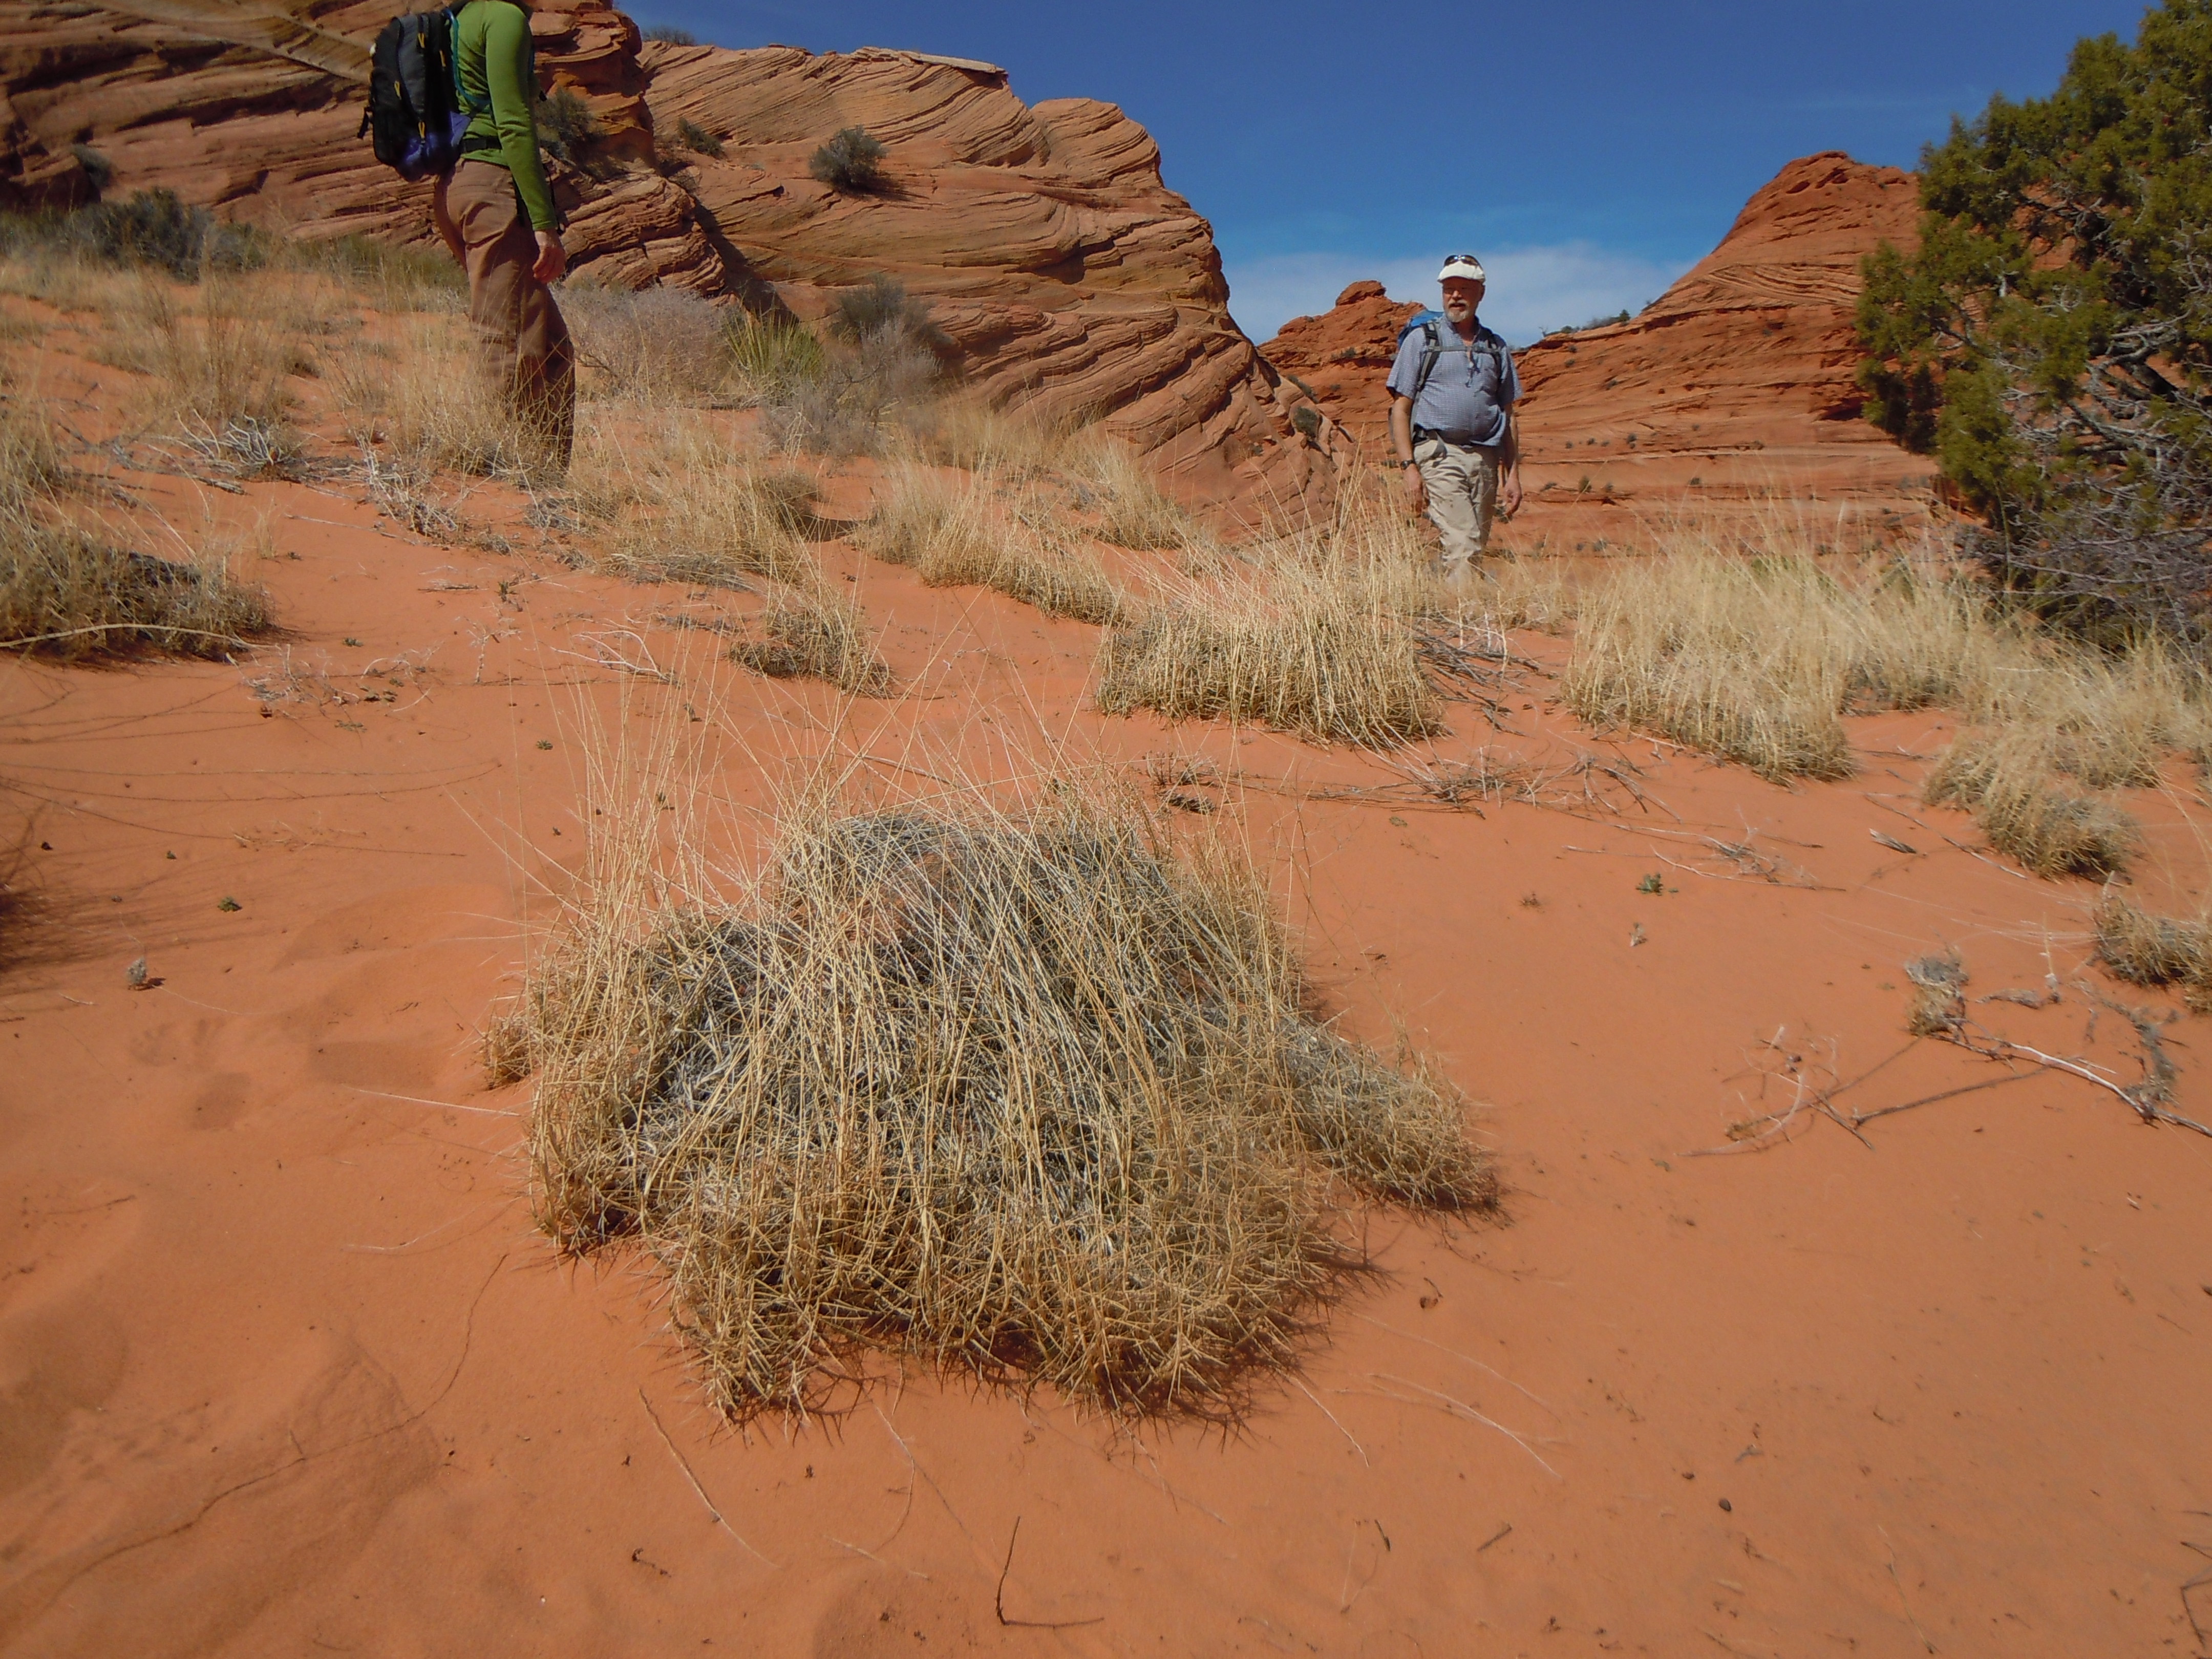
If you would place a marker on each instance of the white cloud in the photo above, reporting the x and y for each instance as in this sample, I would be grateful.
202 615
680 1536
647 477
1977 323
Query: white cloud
1531 288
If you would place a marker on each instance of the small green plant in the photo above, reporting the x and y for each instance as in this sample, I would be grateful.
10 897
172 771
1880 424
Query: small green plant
694 137
775 355
544 743
852 162
566 126
228 904
1654 882
1305 421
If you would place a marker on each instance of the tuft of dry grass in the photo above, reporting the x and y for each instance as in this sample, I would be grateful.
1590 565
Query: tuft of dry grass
958 533
2003 780
1758 659
809 632
222 356
2148 949
1108 478
66 592
1022 1091
1312 639
1723 655
1939 999
681 504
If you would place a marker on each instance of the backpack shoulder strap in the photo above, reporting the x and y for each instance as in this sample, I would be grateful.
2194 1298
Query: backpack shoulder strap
1431 349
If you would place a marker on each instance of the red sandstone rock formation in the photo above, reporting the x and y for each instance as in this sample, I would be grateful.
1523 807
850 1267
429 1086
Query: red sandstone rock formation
1726 404
1342 357
1070 275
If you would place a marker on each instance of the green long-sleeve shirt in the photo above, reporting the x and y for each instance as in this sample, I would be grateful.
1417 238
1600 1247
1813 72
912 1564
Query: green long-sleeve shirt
498 67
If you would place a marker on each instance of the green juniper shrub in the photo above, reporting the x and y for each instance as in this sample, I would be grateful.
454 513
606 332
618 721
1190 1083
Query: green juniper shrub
852 162
2050 341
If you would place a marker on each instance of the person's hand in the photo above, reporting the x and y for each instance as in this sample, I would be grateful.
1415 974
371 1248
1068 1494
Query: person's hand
552 257
1509 497
1417 492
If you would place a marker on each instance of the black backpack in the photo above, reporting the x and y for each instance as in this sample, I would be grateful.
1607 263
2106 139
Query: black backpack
416 111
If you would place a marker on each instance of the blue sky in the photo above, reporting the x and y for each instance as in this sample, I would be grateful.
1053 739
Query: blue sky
1589 151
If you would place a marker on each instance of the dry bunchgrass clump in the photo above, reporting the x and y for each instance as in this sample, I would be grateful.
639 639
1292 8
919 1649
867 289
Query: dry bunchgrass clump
419 393
66 592
1313 640
1734 658
2003 779
956 533
807 631
1757 659
1108 478
679 503
977 437
2149 948
1027 1093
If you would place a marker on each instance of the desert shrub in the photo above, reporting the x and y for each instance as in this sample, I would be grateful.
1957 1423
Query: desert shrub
1023 1093
655 345
842 409
566 128
806 631
1305 421
668 35
152 227
882 306
2004 780
694 137
1316 644
851 163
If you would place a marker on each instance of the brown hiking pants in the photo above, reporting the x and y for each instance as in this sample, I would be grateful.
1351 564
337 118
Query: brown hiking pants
521 335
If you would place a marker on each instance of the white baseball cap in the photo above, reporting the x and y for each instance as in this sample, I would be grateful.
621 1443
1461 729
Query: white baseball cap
1463 264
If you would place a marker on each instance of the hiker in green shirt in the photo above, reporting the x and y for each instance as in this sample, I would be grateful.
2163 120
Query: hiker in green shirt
496 213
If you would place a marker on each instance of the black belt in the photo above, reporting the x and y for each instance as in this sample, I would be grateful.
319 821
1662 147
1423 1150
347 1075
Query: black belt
478 144
1423 434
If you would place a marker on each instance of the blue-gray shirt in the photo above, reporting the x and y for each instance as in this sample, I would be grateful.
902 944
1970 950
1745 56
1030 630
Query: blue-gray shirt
1469 392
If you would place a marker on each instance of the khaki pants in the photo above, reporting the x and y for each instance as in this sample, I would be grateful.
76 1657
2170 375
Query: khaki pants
1462 481
521 339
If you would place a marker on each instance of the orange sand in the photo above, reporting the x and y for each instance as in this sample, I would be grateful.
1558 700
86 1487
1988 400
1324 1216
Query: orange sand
284 1368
